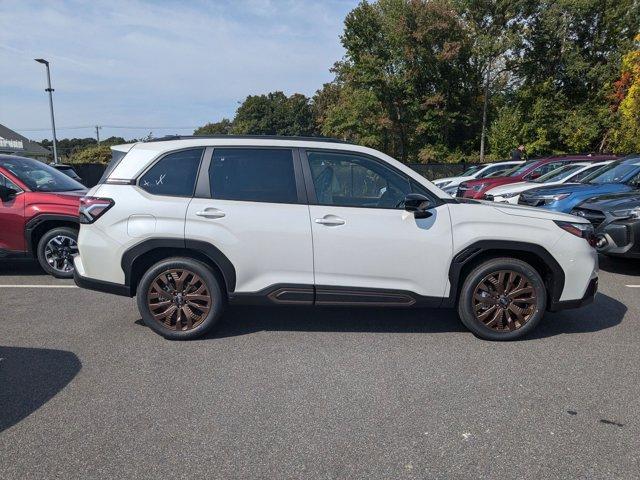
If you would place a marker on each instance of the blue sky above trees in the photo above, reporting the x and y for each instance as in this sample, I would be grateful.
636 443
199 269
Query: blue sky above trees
135 63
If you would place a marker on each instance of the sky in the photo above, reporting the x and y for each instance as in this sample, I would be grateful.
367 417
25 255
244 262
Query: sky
173 64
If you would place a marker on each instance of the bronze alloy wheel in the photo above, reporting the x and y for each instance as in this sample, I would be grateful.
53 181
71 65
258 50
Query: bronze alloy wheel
179 299
504 300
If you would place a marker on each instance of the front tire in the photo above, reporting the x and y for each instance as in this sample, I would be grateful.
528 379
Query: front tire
502 299
180 298
55 251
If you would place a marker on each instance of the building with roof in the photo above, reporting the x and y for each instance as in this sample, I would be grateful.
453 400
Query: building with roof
15 144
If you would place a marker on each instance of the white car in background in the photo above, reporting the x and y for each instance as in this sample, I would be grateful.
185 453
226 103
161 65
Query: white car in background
572 173
450 184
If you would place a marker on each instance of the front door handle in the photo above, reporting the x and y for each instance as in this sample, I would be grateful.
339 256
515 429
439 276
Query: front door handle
211 212
330 221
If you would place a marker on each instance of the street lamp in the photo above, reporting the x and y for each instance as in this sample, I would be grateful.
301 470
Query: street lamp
53 122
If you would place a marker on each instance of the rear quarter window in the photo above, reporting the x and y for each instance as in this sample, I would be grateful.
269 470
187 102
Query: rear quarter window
174 174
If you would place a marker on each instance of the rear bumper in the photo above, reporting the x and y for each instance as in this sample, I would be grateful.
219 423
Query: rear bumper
592 289
101 286
97 285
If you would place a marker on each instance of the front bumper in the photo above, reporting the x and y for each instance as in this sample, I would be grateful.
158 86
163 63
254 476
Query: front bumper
616 236
592 289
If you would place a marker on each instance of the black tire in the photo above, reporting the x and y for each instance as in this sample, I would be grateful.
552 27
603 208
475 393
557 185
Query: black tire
67 248
519 316
200 320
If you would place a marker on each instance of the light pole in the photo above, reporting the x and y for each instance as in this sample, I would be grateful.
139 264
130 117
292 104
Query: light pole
53 121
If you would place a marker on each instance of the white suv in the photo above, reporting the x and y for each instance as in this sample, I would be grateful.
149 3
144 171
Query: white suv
190 224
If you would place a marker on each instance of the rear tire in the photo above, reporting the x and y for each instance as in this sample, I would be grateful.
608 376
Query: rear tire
180 298
502 299
55 251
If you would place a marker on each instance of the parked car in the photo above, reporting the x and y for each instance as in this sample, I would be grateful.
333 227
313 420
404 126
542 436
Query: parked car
616 218
475 171
570 173
528 171
68 170
617 177
39 214
191 224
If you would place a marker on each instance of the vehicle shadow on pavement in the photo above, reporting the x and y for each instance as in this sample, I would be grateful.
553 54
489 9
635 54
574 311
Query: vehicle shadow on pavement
29 378
605 312
624 266
20 267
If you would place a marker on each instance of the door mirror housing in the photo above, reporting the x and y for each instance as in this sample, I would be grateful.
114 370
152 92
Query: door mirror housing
7 193
418 204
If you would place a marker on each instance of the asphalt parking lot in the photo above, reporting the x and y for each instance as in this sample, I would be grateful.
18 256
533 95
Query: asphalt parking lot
87 391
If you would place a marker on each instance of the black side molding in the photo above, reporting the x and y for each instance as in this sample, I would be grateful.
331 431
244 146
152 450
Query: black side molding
327 295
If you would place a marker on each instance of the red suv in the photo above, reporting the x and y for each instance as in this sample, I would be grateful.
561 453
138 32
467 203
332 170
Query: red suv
527 171
39 214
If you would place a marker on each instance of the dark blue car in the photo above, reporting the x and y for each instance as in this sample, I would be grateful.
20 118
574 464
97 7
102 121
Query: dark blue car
616 177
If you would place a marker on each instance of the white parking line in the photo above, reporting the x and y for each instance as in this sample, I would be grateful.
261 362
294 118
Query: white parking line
633 286
38 286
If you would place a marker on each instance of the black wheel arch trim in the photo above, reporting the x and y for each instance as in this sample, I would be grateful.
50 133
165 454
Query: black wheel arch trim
469 253
32 224
225 266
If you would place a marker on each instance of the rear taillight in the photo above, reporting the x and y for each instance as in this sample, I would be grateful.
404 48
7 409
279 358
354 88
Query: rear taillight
92 208
582 230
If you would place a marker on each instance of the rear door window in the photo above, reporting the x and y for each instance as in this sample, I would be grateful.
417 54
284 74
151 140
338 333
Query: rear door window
253 175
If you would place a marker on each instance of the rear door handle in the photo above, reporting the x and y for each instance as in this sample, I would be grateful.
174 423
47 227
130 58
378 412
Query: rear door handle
211 212
330 221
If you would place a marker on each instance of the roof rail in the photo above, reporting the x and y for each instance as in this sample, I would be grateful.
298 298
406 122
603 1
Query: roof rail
252 137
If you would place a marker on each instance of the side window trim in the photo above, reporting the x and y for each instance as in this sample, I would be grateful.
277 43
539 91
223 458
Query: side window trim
310 186
203 185
7 179
159 158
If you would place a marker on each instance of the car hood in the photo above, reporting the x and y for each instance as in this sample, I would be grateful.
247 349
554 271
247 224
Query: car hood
619 201
511 187
579 189
451 179
533 212
494 181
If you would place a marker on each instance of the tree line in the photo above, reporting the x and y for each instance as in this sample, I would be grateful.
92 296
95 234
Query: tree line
451 80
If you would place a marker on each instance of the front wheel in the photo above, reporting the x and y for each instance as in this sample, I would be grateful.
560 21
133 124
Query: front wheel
502 299
56 249
180 298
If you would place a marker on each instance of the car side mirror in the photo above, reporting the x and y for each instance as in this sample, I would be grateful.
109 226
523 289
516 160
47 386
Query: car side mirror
418 204
535 175
7 193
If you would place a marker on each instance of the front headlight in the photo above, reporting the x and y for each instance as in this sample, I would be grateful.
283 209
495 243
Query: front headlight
582 230
479 187
627 213
509 195
451 190
443 184
554 198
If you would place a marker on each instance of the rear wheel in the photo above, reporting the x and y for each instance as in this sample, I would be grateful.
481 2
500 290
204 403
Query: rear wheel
55 251
502 299
180 298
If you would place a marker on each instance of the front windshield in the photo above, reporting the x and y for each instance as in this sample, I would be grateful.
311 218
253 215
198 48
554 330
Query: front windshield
558 174
615 172
38 176
520 168
471 170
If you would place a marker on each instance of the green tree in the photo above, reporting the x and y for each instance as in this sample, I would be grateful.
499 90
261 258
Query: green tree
275 114
409 61
626 132
223 127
